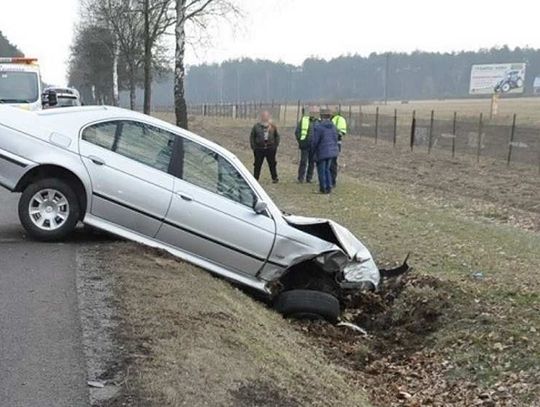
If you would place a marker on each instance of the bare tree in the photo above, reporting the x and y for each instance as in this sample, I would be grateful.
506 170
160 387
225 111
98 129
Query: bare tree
125 21
158 18
199 13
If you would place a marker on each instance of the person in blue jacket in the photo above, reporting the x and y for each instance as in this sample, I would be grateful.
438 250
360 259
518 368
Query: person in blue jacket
324 145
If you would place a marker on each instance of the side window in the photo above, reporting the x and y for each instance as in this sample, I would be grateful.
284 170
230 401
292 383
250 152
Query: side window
207 169
145 144
101 134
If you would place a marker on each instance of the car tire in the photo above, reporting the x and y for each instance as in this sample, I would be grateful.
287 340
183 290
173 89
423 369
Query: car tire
49 209
308 304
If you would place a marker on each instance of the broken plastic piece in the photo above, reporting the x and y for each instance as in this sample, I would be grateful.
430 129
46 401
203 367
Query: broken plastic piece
353 327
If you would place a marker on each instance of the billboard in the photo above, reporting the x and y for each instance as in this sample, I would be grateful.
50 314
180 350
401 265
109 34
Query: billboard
497 78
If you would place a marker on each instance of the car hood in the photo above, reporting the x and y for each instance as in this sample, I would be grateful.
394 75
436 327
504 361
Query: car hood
332 232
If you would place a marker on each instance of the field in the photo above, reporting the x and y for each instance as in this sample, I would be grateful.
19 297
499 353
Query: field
527 108
461 330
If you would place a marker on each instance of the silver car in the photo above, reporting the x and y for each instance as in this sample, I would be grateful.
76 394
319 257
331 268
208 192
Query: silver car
151 182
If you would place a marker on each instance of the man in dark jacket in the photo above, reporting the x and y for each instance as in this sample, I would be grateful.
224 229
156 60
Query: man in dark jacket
264 142
324 144
304 131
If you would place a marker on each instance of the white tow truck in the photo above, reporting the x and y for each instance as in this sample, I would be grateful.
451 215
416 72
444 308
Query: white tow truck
20 82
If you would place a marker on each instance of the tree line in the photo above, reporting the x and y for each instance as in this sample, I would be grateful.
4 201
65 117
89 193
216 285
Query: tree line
398 76
7 49
120 45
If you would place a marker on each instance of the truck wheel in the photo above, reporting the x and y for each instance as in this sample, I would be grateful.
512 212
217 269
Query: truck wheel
49 209
308 304
506 87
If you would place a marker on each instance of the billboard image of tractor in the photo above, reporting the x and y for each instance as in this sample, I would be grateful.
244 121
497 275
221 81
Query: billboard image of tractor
512 80
497 78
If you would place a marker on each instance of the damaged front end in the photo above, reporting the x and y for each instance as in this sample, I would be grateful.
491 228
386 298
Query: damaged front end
350 262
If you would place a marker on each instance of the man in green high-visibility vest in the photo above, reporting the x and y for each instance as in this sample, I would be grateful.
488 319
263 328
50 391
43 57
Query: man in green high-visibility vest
341 125
304 131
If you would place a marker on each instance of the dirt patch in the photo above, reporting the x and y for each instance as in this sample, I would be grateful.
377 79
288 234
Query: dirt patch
401 360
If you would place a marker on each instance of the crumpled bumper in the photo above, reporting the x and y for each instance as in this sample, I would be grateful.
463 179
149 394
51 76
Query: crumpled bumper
366 274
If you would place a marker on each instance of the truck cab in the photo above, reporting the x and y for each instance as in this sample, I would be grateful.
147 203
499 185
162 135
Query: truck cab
20 83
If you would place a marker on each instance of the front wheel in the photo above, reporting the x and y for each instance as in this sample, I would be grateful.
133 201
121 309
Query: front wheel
49 209
308 304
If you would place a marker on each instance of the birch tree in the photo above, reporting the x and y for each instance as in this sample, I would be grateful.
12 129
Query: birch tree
194 15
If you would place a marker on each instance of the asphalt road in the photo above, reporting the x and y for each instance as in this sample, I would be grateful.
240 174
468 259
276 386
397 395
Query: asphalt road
41 354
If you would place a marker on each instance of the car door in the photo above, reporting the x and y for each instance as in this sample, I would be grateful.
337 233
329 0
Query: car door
211 213
128 163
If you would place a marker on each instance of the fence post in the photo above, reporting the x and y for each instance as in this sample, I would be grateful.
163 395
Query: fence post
479 145
350 113
376 124
359 125
413 129
511 144
395 127
430 141
298 111
285 113
454 135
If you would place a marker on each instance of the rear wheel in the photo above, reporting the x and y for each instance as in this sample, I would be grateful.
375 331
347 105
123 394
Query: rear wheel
308 304
49 209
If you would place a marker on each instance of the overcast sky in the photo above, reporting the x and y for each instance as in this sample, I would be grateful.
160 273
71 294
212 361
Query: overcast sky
291 30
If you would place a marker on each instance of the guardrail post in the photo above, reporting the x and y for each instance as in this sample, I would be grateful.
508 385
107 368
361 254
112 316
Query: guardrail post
511 143
479 144
430 141
376 124
413 129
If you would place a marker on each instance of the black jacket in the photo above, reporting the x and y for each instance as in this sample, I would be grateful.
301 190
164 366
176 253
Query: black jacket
257 137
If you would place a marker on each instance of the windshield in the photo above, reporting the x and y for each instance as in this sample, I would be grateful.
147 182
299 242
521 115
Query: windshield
18 87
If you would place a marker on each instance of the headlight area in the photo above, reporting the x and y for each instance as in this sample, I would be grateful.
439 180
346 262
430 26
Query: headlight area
361 275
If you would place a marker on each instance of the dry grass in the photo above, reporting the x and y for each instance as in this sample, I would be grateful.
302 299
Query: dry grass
195 340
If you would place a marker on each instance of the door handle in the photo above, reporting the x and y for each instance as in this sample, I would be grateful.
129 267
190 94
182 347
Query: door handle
184 196
96 160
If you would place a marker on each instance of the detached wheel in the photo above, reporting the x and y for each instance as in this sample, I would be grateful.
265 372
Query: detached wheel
49 209
308 304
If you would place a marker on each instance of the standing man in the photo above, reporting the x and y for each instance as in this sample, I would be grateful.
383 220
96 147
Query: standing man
341 126
304 131
324 144
264 142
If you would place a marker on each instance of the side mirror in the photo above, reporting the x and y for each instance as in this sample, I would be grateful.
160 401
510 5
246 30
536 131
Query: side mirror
52 98
259 206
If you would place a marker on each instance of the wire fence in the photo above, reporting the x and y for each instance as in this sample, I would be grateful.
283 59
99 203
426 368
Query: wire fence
458 135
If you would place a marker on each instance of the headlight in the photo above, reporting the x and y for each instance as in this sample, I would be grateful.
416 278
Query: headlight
364 271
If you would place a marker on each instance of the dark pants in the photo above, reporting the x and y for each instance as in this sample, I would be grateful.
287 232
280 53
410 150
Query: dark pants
270 155
306 166
325 176
334 168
